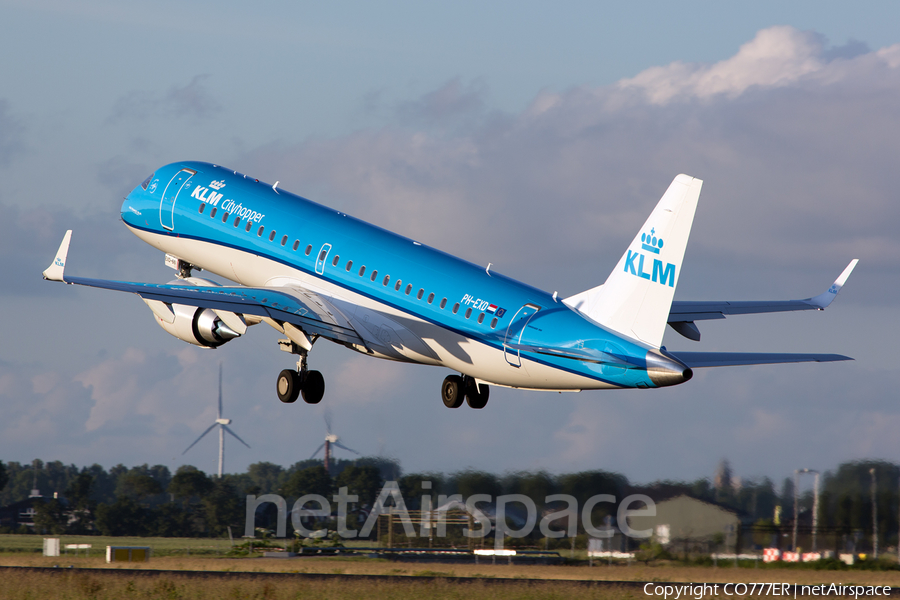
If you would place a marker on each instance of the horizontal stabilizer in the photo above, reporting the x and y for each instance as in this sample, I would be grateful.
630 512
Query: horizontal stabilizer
730 359
683 313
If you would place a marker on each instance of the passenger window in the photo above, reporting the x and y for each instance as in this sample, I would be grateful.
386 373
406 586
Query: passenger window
455 308
249 225
212 213
259 231
430 298
420 294
443 303
337 258
308 249
296 245
408 289
387 279
237 221
323 254
284 240
493 322
202 207
362 270
374 274
480 318
349 265
224 217
272 235
468 312
397 285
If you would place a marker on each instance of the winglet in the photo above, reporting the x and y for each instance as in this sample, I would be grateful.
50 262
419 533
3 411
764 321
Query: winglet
56 270
827 297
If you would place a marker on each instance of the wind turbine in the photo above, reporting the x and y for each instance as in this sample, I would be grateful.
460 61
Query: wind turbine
329 440
223 427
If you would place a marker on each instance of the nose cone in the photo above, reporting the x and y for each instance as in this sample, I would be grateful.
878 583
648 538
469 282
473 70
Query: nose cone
665 370
133 206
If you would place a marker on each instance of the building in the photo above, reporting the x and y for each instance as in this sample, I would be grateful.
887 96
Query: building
685 524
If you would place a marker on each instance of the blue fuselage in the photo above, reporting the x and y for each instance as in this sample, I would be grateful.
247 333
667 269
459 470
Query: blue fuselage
465 317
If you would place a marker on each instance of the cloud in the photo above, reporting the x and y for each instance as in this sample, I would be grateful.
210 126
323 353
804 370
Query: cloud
776 57
11 130
796 143
29 237
449 102
121 174
796 150
192 101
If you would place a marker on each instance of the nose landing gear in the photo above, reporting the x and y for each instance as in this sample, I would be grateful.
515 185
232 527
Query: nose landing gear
455 389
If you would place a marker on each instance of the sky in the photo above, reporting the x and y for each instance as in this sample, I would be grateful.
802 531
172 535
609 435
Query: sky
531 135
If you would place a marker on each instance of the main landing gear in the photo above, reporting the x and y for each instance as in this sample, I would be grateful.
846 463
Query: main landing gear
456 388
293 383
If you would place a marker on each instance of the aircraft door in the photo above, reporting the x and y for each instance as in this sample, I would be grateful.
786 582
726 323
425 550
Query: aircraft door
320 259
170 194
514 333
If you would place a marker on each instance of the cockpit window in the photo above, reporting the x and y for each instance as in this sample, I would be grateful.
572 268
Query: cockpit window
147 181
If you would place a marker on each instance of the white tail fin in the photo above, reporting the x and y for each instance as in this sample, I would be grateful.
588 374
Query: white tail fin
637 296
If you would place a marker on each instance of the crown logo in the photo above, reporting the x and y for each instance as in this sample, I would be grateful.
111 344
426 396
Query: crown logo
650 242
217 185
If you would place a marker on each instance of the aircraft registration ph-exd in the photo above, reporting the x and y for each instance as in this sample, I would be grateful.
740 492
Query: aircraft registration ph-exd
312 272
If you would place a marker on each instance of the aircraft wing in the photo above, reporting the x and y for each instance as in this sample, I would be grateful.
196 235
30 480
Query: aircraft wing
683 314
729 359
311 312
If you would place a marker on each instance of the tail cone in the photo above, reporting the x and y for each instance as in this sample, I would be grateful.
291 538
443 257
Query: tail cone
665 370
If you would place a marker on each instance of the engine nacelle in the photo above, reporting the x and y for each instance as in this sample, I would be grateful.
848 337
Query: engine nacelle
194 325
198 326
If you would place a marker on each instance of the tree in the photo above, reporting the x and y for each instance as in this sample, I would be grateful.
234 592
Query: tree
50 516
190 484
469 483
364 481
222 507
192 487
137 486
78 493
123 517
312 480
3 475
267 476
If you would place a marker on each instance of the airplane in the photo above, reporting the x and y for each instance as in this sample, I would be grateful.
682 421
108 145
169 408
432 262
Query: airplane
312 272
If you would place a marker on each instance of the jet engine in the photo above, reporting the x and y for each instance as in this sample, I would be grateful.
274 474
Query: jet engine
195 325
198 326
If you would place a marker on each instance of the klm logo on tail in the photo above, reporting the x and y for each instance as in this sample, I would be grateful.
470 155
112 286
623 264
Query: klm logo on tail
664 275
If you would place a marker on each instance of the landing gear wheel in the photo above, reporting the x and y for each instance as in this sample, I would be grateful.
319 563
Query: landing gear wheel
288 386
452 391
476 395
313 387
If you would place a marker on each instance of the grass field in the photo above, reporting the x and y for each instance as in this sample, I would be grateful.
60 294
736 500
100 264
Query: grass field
80 586
193 555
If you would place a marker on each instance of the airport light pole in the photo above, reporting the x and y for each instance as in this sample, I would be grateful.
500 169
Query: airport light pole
874 514
815 510
796 512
